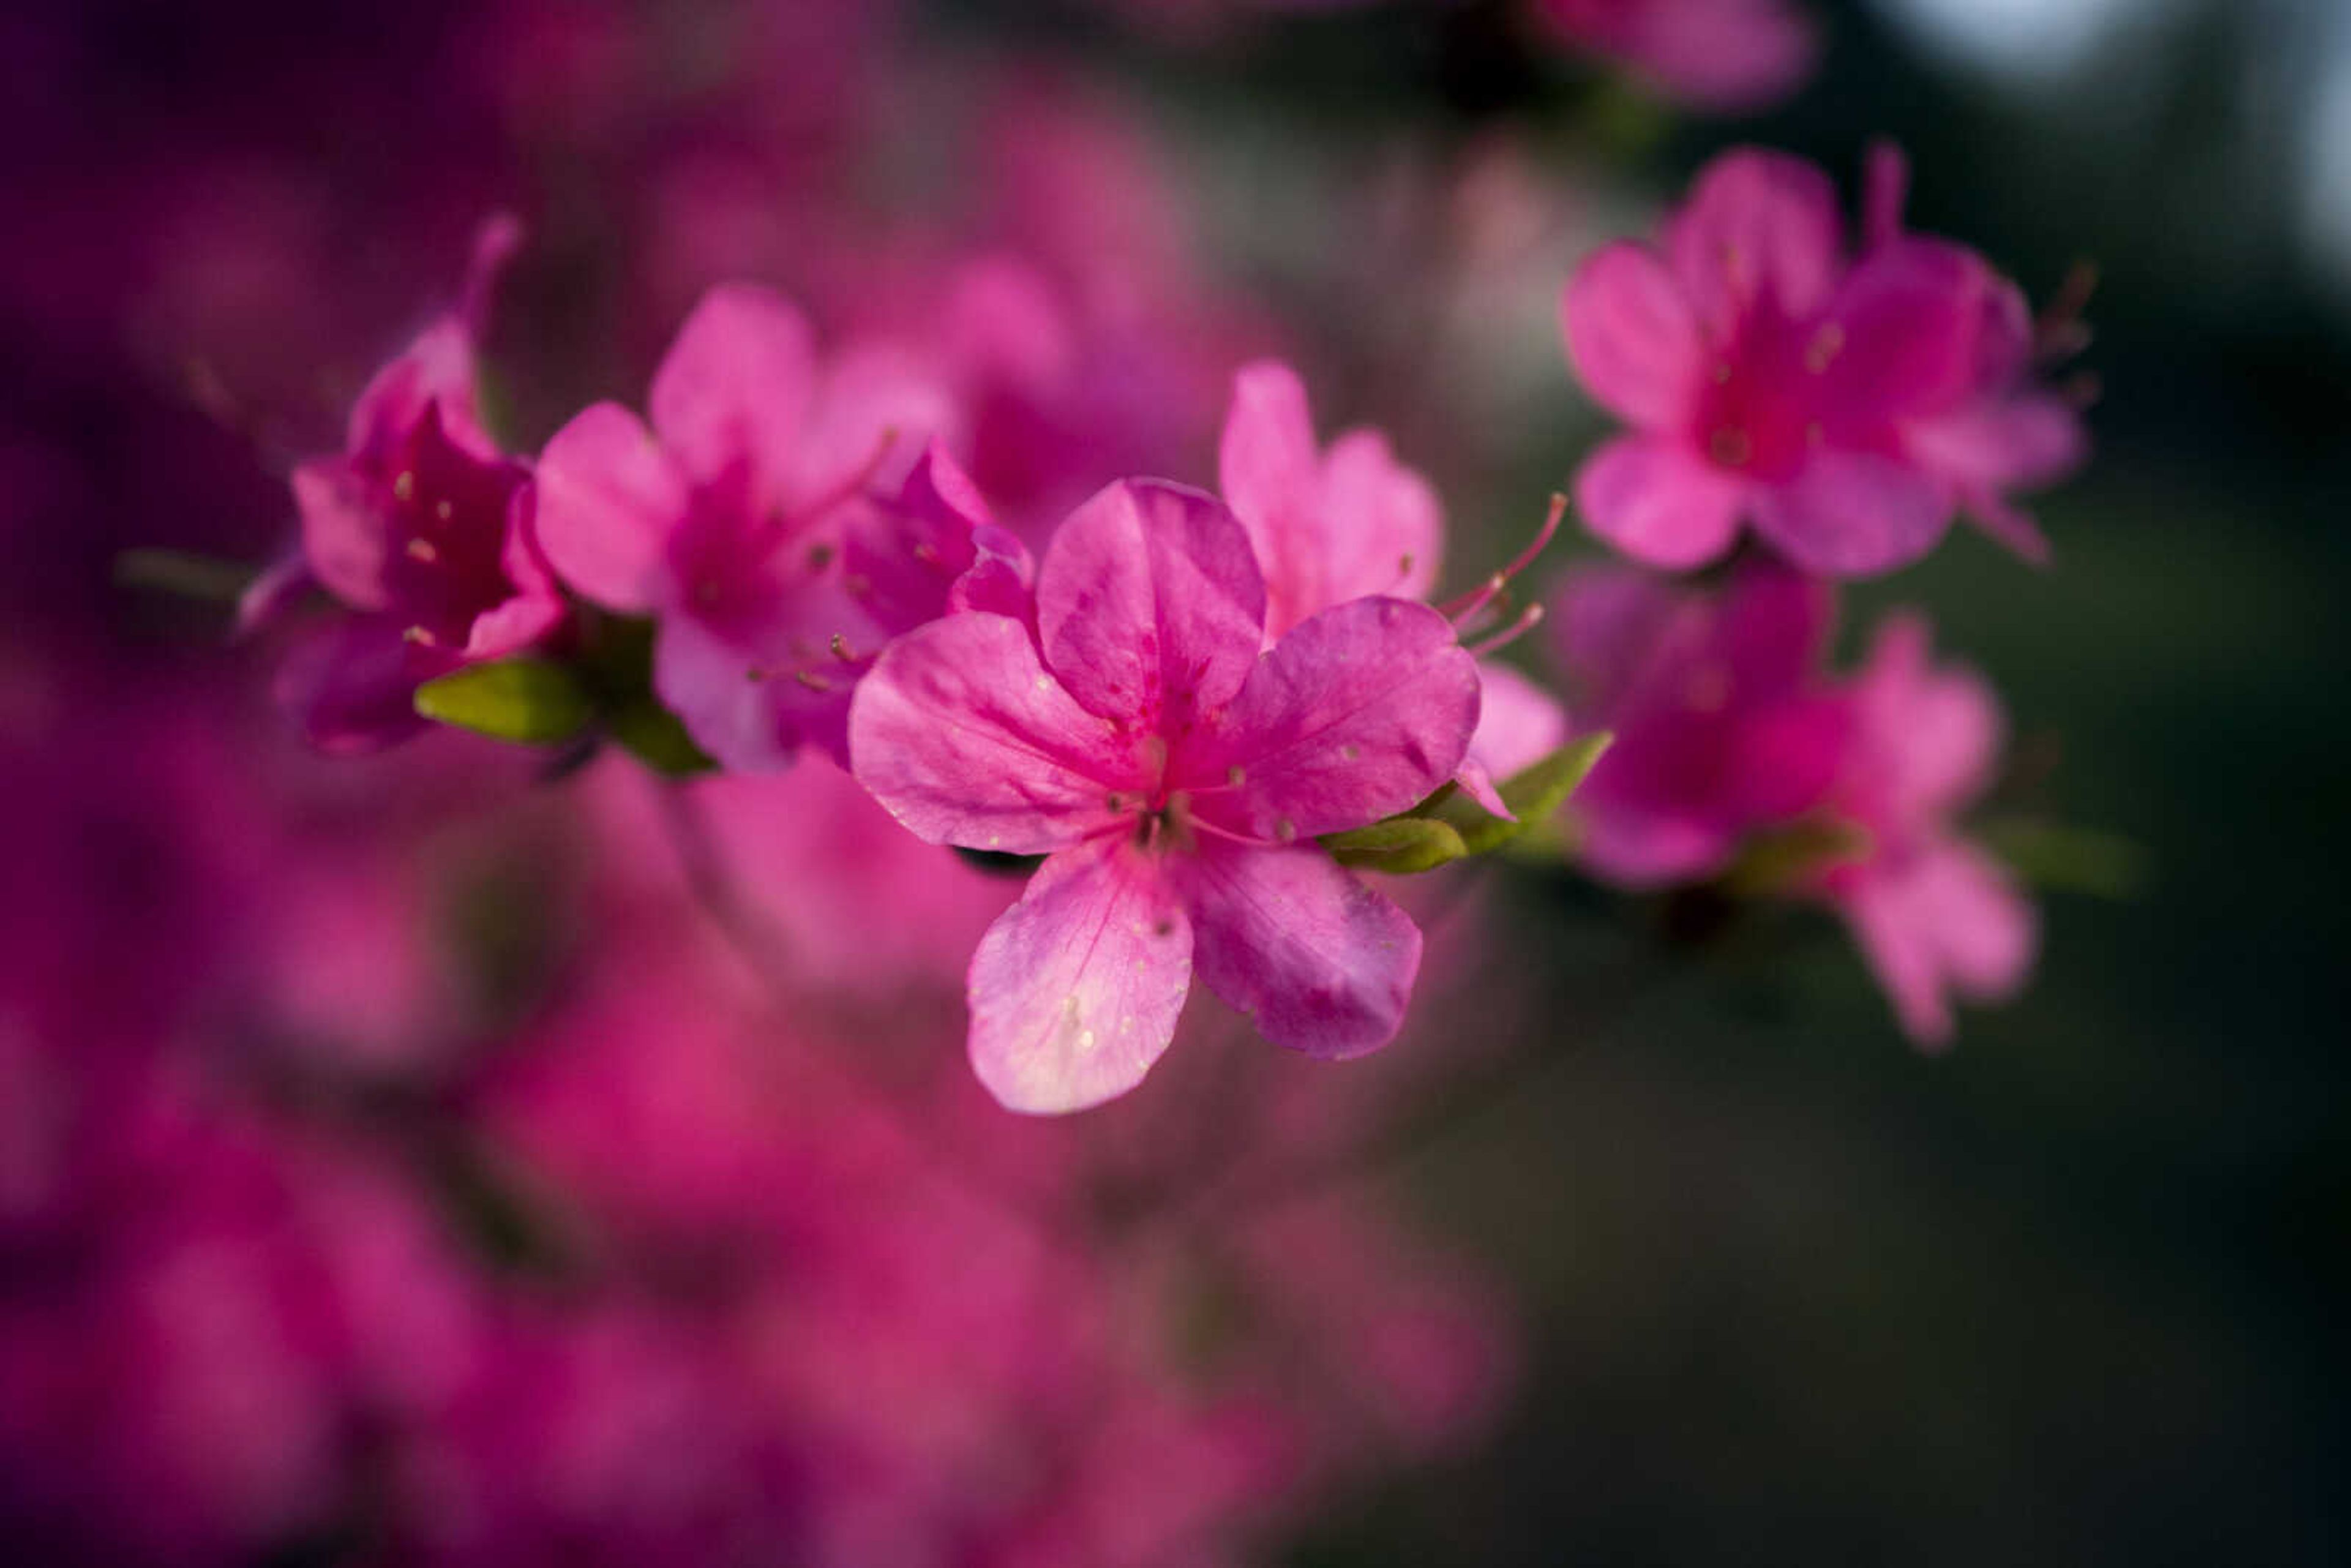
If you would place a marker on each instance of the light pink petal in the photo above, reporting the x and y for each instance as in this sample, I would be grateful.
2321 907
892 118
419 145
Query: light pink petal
1854 514
1998 444
1384 525
273 595
1899 947
343 532
1940 728
1631 336
1149 602
876 408
960 732
1317 960
608 501
2010 524
1760 230
437 367
1659 502
731 393
711 682
1518 724
1902 335
1075 990
531 614
1269 467
1949 919
1362 711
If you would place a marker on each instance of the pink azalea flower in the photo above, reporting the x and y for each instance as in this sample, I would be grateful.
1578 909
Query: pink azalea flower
1837 405
754 519
1934 915
1176 779
2009 431
1721 55
1721 724
1333 526
420 529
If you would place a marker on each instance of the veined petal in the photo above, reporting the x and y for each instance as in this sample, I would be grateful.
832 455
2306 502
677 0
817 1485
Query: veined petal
1383 526
1761 229
1150 604
609 500
1631 335
1853 514
732 391
1659 502
962 734
1076 989
1317 960
1360 712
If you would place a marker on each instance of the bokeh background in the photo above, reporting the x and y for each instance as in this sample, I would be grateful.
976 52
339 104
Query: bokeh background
1729 1272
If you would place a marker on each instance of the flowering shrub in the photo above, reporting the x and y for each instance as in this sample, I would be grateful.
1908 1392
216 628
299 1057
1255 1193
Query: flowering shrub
557 1149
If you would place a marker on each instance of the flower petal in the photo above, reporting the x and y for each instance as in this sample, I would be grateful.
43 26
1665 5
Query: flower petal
732 391
608 501
351 681
876 408
1518 724
1076 989
1631 336
1359 712
1761 229
1150 604
1939 730
1903 334
1267 467
1383 526
1946 919
1317 960
344 534
960 732
1659 502
710 682
1854 514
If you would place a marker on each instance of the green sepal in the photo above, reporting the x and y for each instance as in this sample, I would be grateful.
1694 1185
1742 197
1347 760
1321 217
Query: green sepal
657 738
1534 794
2061 859
1400 845
1774 861
532 701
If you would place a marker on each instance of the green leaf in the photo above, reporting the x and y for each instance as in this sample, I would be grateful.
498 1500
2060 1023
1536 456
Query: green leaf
1774 861
532 701
1534 794
655 737
2071 860
1400 845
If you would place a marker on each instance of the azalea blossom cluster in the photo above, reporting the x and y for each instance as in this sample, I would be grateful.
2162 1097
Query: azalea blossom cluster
941 649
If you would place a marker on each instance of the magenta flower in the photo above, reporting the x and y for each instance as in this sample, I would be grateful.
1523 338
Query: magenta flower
1721 55
423 530
754 521
1176 779
2009 431
1333 526
1723 724
1934 915
1835 404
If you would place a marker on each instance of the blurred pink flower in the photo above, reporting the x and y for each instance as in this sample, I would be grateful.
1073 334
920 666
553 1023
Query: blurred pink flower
1172 777
1837 405
1351 522
1721 723
751 519
419 528
1935 914
1722 56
